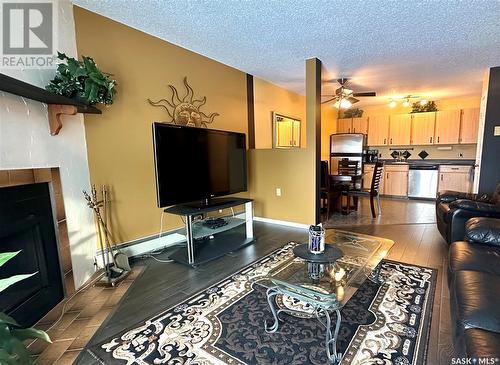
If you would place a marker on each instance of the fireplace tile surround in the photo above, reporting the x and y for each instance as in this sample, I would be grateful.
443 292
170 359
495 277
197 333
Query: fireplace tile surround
17 177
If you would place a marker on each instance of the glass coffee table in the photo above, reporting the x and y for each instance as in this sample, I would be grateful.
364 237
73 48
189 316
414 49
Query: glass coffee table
318 289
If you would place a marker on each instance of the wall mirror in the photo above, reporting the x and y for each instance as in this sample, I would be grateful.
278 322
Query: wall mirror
286 131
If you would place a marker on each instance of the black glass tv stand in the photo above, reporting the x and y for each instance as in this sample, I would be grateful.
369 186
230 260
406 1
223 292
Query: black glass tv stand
205 244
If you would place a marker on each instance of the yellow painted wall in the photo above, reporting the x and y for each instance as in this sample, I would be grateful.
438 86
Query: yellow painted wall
270 98
445 104
119 141
288 169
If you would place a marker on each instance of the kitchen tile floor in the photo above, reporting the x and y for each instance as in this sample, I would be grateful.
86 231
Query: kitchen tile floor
85 312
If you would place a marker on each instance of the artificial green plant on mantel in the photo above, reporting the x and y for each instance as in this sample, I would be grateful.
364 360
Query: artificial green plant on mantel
12 335
83 81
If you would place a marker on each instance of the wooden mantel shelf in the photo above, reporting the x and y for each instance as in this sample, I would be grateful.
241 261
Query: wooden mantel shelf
57 104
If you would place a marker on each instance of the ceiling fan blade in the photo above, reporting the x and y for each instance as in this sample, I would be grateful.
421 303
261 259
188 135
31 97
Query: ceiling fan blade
353 100
367 93
327 101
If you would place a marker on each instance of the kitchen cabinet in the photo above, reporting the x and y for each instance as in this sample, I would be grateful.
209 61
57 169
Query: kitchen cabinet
469 125
344 125
360 125
378 130
456 178
395 180
447 127
422 128
399 129
368 175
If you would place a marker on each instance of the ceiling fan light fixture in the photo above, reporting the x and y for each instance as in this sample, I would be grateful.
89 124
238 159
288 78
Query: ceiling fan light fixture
423 102
392 104
342 104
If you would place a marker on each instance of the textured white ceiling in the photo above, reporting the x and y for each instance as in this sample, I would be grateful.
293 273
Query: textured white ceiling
438 49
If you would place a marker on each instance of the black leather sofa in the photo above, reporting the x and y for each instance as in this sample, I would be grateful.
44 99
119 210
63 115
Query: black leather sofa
474 282
453 209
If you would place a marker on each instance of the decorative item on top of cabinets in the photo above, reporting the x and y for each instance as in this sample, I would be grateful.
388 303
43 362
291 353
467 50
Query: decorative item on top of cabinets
469 125
447 127
286 131
399 129
351 113
185 111
422 128
420 107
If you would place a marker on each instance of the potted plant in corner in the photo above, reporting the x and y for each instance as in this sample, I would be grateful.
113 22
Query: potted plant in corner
12 349
83 81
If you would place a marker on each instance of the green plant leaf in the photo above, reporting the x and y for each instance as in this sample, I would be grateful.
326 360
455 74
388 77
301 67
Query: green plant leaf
30 333
5 283
4 318
6 256
6 358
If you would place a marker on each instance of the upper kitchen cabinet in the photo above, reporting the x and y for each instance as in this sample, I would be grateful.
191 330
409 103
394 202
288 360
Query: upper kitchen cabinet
400 129
378 130
447 127
344 125
469 125
360 125
422 128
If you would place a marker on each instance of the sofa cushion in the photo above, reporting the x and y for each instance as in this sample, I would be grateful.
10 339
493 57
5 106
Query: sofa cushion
442 211
484 230
477 303
474 257
481 343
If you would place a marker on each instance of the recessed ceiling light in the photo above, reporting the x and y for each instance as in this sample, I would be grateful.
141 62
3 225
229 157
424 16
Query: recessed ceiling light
392 104
406 103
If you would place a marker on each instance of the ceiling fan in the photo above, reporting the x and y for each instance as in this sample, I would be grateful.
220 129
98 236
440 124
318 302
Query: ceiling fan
344 97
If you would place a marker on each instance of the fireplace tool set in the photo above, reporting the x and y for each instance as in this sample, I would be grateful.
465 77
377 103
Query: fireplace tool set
117 267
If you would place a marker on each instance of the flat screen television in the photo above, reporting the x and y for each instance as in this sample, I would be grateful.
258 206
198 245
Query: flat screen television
195 164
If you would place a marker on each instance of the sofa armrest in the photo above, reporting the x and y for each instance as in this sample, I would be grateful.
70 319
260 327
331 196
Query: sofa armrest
447 196
483 230
475 206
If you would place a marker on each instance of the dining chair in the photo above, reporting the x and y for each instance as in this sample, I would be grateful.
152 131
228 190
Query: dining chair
373 192
327 193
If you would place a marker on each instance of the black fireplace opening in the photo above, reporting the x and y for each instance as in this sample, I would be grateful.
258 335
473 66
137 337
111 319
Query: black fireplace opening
27 225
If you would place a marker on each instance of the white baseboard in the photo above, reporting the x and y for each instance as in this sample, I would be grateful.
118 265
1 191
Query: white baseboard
281 223
145 245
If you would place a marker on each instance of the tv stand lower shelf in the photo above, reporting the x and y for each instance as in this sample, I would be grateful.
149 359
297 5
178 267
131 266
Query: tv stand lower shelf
204 244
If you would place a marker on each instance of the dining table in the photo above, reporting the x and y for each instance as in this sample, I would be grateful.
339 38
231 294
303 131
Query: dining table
344 183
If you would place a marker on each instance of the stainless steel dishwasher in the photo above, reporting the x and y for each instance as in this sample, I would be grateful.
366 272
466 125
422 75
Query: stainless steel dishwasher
423 181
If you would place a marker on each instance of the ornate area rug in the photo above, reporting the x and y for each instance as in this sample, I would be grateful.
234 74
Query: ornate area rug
224 324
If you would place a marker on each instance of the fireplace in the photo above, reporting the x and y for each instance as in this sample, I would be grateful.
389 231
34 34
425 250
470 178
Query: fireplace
29 222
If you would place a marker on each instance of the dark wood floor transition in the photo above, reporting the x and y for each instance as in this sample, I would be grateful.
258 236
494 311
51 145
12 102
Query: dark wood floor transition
417 242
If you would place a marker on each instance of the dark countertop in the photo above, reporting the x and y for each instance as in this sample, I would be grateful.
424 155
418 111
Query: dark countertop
432 162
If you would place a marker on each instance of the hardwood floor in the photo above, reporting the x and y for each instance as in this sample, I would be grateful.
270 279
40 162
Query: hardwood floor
417 241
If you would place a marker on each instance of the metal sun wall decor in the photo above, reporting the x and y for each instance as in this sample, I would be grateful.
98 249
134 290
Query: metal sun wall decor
185 111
